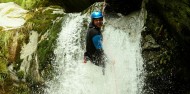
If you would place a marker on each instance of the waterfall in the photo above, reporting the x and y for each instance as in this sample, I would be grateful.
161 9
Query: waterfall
121 43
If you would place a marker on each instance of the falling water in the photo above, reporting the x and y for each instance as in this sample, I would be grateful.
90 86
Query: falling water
121 44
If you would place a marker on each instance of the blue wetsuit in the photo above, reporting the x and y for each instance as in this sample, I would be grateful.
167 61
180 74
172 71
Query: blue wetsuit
94 49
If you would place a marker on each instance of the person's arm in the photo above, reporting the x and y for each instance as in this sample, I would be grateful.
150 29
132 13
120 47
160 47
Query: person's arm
97 41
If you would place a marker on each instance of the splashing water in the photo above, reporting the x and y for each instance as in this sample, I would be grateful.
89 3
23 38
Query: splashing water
121 45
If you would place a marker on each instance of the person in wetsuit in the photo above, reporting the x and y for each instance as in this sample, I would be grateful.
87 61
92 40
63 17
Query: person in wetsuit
94 51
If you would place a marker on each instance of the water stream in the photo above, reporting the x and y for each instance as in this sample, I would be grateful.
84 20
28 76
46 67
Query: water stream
121 43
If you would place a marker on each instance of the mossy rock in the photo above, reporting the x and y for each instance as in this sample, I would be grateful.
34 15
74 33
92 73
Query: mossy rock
12 87
4 43
47 22
3 69
11 43
42 19
46 47
22 89
28 4
20 74
1 28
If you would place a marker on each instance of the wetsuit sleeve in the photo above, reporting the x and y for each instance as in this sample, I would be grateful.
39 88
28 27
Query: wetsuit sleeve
97 41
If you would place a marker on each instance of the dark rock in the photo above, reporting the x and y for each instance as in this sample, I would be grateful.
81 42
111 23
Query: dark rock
120 6
123 6
167 68
73 5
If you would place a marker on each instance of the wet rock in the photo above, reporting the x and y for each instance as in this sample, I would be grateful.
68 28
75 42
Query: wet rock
26 49
167 22
150 43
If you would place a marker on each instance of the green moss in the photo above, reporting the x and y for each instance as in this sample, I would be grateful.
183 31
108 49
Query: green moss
48 26
42 19
1 28
20 74
16 88
22 89
27 4
46 47
4 43
3 66
3 69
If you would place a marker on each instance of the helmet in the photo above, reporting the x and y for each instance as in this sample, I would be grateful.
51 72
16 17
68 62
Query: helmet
96 14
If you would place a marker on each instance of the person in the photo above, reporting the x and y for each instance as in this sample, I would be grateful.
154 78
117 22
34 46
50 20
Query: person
94 51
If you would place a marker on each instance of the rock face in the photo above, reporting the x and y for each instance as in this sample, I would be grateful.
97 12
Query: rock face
119 6
166 43
26 48
123 6
68 5
73 5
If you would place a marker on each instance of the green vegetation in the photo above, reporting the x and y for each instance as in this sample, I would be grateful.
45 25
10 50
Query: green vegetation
28 4
48 25
3 69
